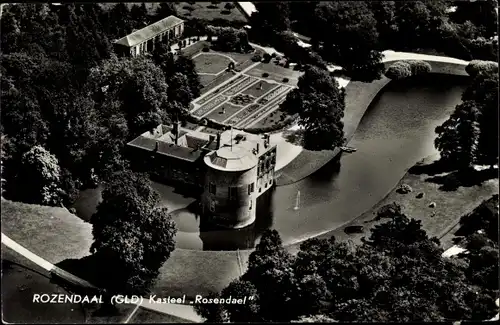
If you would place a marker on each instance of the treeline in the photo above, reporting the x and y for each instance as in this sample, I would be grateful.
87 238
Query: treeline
64 91
352 34
397 274
470 136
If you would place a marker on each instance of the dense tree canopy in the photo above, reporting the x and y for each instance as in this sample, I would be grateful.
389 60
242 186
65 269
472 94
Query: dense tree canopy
320 104
378 281
470 135
132 236
270 19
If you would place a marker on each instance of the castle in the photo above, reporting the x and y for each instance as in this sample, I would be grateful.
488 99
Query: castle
230 169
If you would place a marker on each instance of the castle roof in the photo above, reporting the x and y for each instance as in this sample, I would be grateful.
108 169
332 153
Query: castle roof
231 159
148 32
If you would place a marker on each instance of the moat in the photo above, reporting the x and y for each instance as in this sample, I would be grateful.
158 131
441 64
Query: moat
396 132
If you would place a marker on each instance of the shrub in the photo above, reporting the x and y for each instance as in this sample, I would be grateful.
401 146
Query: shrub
265 75
206 49
389 211
257 58
285 80
266 57
229 6
404 189
399 70
225 12
419 67
273 55
476 67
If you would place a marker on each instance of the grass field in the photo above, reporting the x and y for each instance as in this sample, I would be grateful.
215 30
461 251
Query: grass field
276 73
229 110
256 91
51 232
206 79
450 205
207 11
145 316
211 62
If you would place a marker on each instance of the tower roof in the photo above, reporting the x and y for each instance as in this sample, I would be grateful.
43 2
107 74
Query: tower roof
231 159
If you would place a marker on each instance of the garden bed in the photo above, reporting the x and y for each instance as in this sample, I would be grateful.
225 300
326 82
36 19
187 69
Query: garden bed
217 114
276 73
259 89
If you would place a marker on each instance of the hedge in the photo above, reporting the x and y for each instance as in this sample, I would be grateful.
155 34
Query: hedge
399 70
407 68
419 67
476 67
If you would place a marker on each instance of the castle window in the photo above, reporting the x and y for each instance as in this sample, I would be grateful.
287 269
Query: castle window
212 206
250 188
211 188
232 193
250 207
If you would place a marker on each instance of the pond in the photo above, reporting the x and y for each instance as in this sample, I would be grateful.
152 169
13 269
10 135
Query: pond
396 132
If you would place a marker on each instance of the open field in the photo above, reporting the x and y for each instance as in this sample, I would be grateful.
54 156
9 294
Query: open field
211 62
230 109
207 11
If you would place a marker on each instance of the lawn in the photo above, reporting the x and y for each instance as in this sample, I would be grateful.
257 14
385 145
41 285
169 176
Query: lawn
53 233
276 73
208 11
206 79
229 110
259 89
211 62
437 221
146 316
194 48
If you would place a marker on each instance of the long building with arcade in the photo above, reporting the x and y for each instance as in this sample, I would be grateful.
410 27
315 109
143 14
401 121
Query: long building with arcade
229 170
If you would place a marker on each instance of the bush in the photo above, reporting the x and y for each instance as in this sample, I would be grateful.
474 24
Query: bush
285 80
419 67
206 49
266 57
265 75
225 12
404 189
399 70
257 58
476 67
229 6
273 55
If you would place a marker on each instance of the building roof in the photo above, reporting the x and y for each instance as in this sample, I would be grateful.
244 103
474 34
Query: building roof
148 32
167 149
231 159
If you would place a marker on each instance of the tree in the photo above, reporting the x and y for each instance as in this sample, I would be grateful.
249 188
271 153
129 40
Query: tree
352 38
481 14
270 19
139 15
320 104
179 90
376 281
41 170
458 137
384 14
120 21
139 87
228 40
132 236
164 10
186 66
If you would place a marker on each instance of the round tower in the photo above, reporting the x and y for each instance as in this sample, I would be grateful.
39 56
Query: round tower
229 196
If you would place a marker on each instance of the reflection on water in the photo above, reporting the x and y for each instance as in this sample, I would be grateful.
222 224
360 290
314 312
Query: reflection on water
395 133
190 223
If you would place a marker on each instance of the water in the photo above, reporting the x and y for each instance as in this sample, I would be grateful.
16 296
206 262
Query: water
396 132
